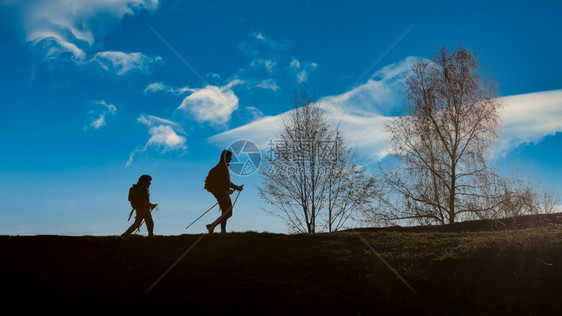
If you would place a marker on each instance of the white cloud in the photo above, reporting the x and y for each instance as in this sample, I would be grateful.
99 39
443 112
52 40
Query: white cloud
70 29
150 120
258 73
212 104
381 94
154 87
254 112
257 64
301 71
265 54
55 46
214 76
295 64
259 131
528 118
270 65
364 111
268 84
100 114
98 122
361 112
159 86
365 132
120 62
164 134
270 42
131 157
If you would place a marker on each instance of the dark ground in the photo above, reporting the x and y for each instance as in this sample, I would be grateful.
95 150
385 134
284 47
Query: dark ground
474 271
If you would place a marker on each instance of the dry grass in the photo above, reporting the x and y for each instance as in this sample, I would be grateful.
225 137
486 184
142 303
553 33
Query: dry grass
487 272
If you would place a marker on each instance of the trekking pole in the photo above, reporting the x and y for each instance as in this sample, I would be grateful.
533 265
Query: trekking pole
232 207
207 211
236 199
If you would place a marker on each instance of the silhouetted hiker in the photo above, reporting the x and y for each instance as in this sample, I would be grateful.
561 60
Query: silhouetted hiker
140 201
218 183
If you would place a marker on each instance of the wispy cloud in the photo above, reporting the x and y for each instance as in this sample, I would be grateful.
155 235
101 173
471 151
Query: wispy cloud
55 46
302 71
261 38
268 84
166 137
70 29
259 131
212 104
528 118
155 87
260 73
266 54
363 112
102 109
258 41
164 134
151 120
254 113
161 87
268 64
381 94
120 62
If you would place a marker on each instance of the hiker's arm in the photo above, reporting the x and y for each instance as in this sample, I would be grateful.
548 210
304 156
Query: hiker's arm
236 187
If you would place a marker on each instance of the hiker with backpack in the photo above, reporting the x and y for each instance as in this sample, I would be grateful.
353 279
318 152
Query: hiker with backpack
140 201
218 183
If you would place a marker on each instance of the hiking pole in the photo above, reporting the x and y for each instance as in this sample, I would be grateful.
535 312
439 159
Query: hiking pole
207 211
232 207
236 199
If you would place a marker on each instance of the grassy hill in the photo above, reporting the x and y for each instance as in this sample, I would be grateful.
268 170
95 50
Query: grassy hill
515 270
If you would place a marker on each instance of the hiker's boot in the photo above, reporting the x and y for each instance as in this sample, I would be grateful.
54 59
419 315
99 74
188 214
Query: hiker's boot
210 228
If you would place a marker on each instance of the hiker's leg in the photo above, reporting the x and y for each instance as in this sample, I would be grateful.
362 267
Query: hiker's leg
220 200
135 225
226 209
223 226
149 224
216 222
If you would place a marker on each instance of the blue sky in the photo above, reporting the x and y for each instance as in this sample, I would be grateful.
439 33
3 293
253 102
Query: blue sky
94 94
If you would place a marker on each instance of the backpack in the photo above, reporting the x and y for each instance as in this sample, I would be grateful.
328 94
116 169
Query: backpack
212 180
132 198
133 194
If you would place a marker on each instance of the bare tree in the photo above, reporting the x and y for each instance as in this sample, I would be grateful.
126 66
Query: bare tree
311 174
518 197
349 187
452 119
548 201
